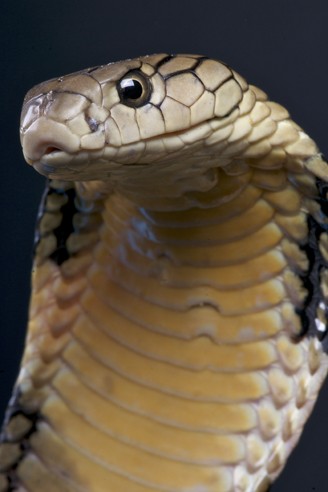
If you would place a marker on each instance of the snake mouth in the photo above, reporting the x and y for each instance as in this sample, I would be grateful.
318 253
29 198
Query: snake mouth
52 150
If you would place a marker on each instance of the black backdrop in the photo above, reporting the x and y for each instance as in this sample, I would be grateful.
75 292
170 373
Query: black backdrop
280 45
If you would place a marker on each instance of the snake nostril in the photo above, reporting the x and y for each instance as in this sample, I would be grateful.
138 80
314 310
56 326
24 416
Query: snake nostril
93 124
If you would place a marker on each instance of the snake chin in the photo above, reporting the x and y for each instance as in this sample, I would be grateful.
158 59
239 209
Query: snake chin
56 163
44 169
64 173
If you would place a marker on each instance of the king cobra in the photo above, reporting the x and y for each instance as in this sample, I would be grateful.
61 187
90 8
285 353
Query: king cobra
177 324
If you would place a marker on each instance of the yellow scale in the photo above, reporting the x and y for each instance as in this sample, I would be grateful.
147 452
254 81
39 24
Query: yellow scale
163 354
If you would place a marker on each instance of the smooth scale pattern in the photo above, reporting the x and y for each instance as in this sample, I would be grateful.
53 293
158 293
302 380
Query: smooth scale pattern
177 329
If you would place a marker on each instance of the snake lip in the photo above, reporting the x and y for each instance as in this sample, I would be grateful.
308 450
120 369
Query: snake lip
56 156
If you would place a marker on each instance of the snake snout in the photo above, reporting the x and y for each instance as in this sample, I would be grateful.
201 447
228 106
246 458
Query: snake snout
44 122
44 137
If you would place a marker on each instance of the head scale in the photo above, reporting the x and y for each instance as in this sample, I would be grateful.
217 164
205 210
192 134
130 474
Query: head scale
149 109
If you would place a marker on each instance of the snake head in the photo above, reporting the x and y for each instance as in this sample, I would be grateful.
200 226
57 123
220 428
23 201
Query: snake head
152 109
157 124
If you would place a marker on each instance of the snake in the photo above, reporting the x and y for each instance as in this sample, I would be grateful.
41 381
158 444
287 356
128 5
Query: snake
177 327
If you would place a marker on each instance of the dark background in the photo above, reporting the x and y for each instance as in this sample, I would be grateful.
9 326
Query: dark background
281 46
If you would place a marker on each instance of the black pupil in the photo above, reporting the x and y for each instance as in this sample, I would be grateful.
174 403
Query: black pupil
130 89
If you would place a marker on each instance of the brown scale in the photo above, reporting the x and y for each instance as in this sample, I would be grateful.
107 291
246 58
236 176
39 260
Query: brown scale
178 311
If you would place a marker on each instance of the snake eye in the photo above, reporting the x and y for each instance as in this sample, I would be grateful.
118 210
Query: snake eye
134 89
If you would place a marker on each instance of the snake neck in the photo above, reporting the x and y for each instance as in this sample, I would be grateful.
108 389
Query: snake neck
160 342
220 269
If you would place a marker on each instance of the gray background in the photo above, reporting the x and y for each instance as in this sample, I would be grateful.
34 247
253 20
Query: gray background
278 45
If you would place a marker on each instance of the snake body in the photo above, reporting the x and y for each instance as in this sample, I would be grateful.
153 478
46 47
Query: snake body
176 338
